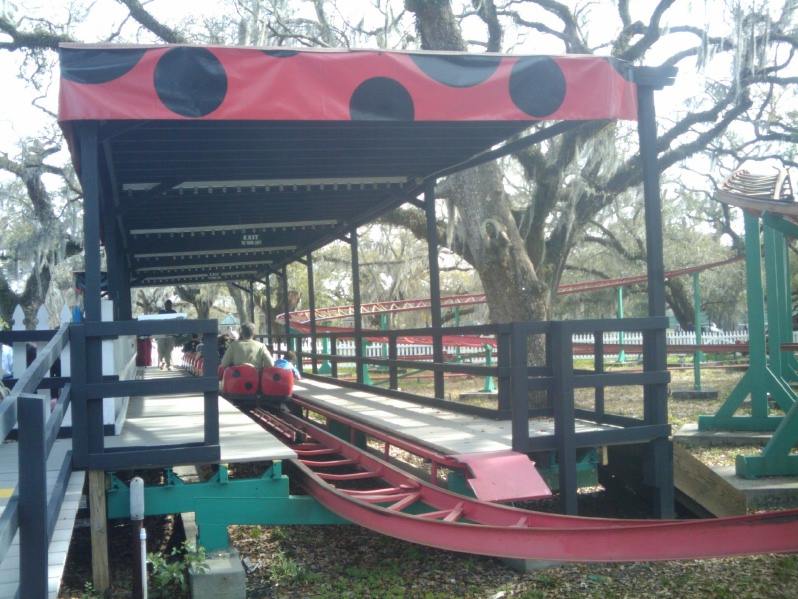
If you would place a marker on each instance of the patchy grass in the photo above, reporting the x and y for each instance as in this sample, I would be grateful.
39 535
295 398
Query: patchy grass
348 561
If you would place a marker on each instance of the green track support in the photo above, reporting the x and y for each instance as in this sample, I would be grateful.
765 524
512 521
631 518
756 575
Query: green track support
457 482
765 381
698 356
220 502
622 352
326 367
366 378
586 470
489 385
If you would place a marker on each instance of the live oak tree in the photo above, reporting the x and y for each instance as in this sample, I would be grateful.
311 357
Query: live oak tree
521 244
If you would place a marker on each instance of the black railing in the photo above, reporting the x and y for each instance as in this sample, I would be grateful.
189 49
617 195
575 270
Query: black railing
393 364
30 510
87 436
560 380
555 379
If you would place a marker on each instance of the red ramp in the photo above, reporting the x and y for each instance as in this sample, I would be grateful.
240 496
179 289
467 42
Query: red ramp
503 476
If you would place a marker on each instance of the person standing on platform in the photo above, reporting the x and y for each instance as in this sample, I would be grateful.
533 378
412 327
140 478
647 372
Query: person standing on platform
246 350
166 343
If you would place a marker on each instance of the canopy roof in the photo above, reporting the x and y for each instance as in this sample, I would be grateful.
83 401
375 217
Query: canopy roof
225 163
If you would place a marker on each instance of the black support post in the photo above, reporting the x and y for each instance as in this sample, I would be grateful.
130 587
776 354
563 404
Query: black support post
658 465
434 285
269 327
358 323
312 307
564 416
33 534
505 392
125 310
598 367
89 163
113 255
252 302
286 308
518 383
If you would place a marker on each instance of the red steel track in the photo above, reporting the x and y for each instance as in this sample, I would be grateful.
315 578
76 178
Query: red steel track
405 507
302 317
300 320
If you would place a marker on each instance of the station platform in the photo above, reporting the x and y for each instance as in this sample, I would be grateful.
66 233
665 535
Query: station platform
59 546
448 433
168 420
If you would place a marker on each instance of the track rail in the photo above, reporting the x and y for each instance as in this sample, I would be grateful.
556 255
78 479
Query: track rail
397 504
301 317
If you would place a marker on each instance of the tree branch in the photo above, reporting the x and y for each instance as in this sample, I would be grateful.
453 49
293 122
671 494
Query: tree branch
151 24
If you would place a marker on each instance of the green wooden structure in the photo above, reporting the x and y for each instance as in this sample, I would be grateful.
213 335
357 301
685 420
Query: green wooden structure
770 220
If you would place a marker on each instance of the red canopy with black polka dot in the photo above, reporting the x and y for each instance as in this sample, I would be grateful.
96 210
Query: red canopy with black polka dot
103 82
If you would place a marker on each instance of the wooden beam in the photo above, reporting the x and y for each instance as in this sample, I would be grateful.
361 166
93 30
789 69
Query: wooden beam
705 487
99 532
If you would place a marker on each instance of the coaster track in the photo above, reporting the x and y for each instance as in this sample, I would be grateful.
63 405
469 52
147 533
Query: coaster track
302 317
402 506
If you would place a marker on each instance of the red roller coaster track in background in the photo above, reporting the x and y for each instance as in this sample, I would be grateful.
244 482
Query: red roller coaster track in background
300 320
336 313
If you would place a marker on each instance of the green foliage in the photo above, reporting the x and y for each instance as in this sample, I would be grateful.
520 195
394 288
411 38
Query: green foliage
169 574
278 533
285 571
88 592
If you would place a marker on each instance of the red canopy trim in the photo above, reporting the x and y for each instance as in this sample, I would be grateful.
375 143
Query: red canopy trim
102 82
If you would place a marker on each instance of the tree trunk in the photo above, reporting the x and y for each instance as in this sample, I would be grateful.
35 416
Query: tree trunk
678 296
513 290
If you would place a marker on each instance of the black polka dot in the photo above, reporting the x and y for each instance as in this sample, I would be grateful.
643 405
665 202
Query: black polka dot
190 81
624 69
280 53
458 70
537 86
98 66
276 377
249 386
380 98
236 373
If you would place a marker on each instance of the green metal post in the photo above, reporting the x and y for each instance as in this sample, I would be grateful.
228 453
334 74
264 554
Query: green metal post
326 367
384 326
774 301
759 382
698 356
489 386
621 339
457 324
364 369
781 272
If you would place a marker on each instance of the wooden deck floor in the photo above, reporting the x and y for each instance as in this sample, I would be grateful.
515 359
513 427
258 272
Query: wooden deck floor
447 432
9 568
150 421
167 420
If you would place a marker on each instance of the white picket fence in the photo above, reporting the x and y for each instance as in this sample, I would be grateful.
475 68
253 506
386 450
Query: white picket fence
477 355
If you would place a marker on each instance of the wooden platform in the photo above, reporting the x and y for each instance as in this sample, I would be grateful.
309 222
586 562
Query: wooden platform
9 568
446 432
167 420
